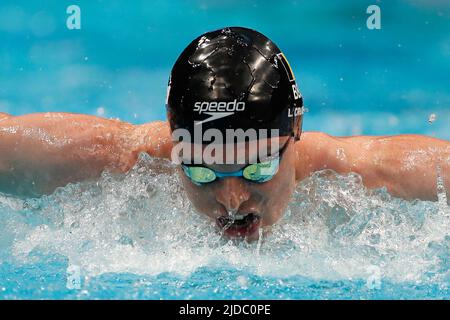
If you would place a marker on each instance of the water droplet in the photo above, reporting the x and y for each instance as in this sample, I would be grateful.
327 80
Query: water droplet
432 118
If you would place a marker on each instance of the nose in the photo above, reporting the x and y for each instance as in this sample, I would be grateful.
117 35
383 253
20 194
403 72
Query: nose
231 193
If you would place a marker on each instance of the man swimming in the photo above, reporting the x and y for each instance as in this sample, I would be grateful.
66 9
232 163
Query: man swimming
230 82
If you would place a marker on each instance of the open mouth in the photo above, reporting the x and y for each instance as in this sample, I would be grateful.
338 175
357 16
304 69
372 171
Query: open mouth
239 225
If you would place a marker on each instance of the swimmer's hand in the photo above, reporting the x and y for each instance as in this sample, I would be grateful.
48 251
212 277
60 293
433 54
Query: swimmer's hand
40 152
409 166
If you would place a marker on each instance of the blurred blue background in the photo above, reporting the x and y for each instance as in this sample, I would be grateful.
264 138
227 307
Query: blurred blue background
354 80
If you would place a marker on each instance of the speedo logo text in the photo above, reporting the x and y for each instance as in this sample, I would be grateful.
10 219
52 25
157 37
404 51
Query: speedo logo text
218 109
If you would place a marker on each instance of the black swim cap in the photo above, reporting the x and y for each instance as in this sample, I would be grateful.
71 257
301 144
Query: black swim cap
234 78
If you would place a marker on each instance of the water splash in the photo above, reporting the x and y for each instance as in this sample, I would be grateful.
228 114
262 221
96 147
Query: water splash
142 223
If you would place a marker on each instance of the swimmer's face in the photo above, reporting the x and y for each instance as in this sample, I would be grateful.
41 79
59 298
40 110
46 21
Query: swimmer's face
256 205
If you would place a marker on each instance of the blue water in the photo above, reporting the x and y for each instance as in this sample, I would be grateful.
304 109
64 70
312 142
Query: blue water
135 236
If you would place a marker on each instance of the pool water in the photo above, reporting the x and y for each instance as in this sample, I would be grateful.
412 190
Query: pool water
136 235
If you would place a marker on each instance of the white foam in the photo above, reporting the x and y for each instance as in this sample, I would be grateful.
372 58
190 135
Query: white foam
143 223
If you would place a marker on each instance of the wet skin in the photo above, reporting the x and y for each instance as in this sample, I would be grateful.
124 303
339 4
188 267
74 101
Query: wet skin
40 152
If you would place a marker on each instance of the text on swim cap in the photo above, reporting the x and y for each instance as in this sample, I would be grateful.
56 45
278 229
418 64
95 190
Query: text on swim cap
298 111
296 92
216 106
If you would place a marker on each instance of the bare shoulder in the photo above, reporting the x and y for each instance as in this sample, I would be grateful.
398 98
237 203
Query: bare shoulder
312 150
153 138
318 151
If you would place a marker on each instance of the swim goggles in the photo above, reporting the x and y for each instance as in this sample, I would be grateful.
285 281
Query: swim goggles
257 172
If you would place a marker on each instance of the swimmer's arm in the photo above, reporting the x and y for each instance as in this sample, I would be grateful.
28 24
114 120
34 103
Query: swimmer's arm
39 152
407 165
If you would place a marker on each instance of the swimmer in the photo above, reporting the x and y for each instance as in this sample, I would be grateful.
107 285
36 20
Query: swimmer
233 79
